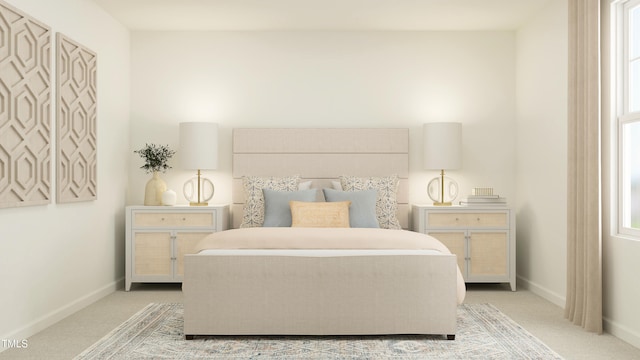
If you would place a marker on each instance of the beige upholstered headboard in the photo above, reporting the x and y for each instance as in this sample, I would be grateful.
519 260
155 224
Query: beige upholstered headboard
321 155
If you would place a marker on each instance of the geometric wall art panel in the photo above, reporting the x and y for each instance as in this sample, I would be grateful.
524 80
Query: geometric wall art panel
25 109
77 148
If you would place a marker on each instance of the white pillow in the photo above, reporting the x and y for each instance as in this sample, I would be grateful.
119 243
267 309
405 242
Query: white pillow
336 185
305 185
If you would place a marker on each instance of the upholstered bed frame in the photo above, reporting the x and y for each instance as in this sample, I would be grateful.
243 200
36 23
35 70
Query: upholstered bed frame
402 294
320 156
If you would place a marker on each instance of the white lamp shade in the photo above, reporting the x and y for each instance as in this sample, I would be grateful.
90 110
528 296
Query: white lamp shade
198 145
442 145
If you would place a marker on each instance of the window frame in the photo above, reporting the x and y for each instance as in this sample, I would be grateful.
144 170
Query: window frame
623 115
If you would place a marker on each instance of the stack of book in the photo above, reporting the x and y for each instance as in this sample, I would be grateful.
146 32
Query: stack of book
483 196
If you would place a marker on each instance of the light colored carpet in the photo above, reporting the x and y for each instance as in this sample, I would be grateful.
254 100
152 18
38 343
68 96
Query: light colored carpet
156 332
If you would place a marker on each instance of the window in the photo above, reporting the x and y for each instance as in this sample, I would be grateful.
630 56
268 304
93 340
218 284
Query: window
627 61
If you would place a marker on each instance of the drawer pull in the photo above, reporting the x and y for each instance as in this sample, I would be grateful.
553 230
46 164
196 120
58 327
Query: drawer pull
478 219
162 219
457 219
184 219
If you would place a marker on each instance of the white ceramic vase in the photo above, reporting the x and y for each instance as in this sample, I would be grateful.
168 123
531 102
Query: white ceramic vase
169 198
154 189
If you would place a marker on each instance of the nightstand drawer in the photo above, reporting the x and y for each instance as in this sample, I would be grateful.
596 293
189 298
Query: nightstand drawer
168 219
460 219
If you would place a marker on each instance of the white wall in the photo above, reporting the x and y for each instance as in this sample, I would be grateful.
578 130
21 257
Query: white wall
542 152
57 258
328 79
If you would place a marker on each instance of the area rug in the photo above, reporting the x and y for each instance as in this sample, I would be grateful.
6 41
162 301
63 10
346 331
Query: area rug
156 333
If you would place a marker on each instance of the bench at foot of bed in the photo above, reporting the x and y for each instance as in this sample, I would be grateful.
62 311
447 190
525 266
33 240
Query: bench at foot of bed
320 295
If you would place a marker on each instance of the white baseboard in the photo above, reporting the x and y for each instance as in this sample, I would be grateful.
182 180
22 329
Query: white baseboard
543 292
61 313
622 332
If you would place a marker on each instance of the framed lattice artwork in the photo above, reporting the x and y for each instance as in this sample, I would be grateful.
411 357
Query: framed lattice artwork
25 109
76 111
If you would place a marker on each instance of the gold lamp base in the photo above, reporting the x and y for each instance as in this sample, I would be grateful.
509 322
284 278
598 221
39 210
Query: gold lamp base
198 204
442 190
198 191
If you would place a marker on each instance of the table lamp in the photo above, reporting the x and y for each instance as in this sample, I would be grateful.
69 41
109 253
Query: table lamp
442 151
198 151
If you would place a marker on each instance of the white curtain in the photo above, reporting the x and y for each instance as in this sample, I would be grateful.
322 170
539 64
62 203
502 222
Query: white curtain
584 227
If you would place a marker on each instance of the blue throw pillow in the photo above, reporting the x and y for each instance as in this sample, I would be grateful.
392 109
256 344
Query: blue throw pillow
277 212
362 212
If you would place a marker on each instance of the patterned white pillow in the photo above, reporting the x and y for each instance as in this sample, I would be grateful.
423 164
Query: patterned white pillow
387 201
253 210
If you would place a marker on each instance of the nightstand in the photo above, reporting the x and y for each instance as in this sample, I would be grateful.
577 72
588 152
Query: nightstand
158 237
482 237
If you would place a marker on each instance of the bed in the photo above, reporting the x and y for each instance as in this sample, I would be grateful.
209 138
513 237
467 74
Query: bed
303 279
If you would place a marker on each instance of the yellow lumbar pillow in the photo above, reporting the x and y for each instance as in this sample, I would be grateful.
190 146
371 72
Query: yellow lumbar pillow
319 214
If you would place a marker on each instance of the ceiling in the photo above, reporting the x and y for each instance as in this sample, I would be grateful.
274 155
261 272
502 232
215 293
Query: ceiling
322 14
